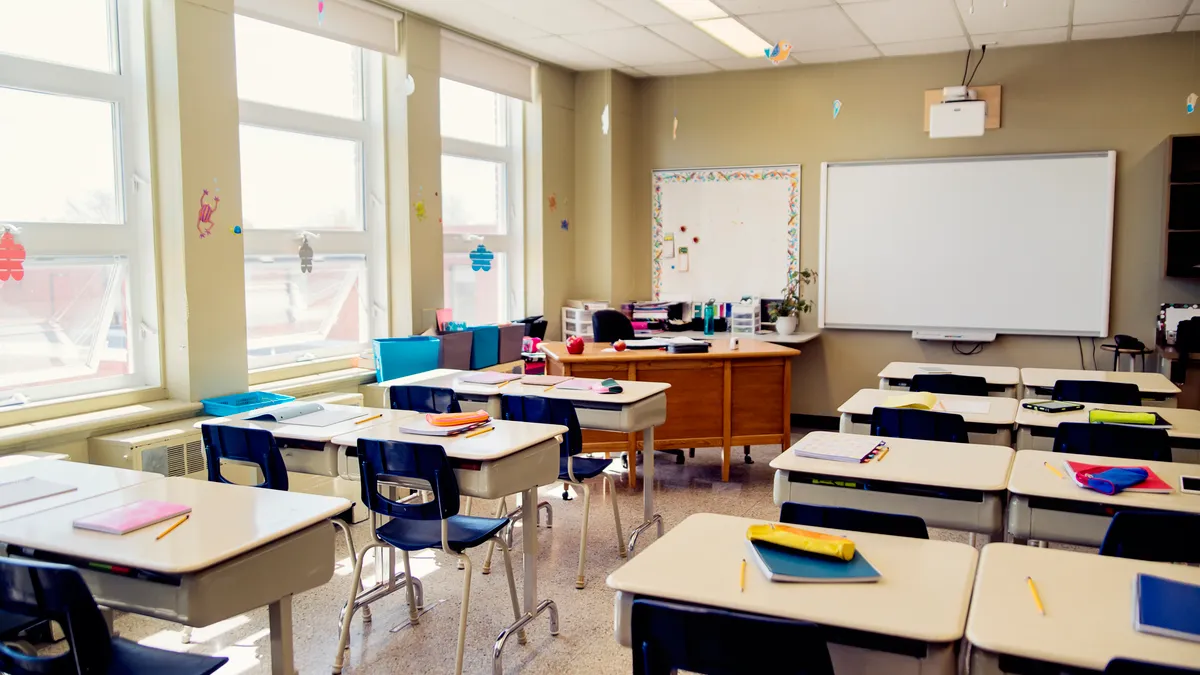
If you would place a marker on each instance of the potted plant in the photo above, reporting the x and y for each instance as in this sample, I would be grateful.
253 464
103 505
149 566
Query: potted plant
785 313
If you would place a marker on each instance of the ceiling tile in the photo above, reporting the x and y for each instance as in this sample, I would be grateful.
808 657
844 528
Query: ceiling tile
689 68
739 7
642 12
1097 31
743 63
1105 11
632 72
632 46
563 52
991 16
831 55
1189 23
1021 37
905 20
694 40
560 17
808 29
473 17
925 47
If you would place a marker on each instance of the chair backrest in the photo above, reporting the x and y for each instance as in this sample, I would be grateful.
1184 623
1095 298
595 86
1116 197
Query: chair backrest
1154 536
415 465
856 520
1088 391
257 446
668 636
1113 440
424 399
58 593
967 385
922 425
1187 336
1131 667
546 411
609 325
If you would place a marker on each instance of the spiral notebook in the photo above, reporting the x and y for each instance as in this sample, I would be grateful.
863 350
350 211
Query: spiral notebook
130 517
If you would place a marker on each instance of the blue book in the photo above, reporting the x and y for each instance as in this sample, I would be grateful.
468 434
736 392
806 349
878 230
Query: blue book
785 564
1165 607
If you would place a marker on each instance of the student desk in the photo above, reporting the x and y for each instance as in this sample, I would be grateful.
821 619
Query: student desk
908 622
993 427
719 399
1156 389
1035 430
89 481
1089 611
1043 506
241 549
950 485
1001 380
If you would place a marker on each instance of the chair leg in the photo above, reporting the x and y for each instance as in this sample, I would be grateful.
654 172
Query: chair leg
413 616
545 506
580 581
501 509
692 453
185 638
462 615
512 588
746 450
348 614
616 514
338 524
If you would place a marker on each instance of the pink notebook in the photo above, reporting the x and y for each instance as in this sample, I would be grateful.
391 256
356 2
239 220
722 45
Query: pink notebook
135 516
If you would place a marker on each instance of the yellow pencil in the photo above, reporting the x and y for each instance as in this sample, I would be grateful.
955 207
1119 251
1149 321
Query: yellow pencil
1036 598
477 432
550 387
503 383
743 582
882 454
368 419
177 524
1056 471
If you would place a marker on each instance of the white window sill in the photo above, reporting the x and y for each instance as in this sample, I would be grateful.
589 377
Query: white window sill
71 428
77 405
346 379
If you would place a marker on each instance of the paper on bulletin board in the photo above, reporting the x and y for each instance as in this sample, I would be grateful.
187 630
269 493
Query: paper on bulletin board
668 245
682 260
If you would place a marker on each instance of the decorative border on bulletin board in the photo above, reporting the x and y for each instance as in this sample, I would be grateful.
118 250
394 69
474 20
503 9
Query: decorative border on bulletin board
790 173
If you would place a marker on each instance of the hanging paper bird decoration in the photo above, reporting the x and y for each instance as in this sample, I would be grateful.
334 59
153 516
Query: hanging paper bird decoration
779 53
481 259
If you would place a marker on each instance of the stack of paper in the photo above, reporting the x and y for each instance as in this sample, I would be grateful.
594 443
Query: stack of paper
836 447
487 377
544 380
578 384
967 406
420 427
132 516
309 414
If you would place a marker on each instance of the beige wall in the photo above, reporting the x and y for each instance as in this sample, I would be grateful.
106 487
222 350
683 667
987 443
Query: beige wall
421 49
593 191
1125 95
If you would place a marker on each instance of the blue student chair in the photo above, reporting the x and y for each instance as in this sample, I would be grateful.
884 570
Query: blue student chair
1131 667
571 468
424 399
922 425
1089 391
669 636
855 520
58 593
1113 440
418 526
1154 535
966 385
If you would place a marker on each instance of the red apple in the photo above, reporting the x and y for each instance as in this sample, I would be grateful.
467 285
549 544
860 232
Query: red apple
619 345
574 345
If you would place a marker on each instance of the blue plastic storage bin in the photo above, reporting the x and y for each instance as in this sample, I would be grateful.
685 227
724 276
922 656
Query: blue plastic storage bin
400 357
224 406
485 346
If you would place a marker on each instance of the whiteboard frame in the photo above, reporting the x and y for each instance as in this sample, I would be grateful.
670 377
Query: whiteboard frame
724 174
1111 208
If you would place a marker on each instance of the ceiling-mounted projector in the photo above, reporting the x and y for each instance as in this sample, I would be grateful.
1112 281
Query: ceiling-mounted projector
958 115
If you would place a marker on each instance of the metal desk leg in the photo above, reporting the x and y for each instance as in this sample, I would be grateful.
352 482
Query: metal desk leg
529 542
649 517
280 616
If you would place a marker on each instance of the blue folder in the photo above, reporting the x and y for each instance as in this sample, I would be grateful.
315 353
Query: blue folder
1168 608
785 564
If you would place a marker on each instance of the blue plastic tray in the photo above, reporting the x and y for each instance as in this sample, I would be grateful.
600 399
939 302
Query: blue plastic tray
224 406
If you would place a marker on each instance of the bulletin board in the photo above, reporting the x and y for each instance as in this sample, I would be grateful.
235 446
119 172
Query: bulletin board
725 232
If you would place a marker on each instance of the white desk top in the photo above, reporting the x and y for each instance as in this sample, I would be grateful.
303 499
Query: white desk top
1089 608
772 337
968 466
632 391
316 434
923 594
1031 478
1149 383
1001 410
89 481
998 375
1185 422
507 439
226 521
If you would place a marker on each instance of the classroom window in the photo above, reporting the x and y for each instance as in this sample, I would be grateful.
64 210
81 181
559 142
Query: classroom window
311 147
77 293
481 202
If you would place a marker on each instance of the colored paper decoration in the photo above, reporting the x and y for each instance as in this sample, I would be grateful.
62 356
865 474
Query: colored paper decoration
565 225
553 202
675 128
306 256
207 211
1191 103
12 257
320 11
837 107
481 259
420 209
779 53
236 229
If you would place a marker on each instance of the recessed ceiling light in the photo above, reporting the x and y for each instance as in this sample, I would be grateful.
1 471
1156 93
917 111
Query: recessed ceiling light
735 36
694 10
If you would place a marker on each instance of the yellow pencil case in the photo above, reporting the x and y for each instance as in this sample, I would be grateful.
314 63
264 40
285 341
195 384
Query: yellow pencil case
802 540
1116 417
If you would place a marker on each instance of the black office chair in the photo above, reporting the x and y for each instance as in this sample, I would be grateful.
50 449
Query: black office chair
609 325
1154 536
1187 342
1113 440
856 520
922 425
669 636
1090 391
967 385
1131 667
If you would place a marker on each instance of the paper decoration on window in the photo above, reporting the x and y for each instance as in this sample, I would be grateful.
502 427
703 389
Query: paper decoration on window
481 259
208 208
604 121
306 256
837 107
675 128
553 202
320 11
668 245
1191 103
779 53
566 225
410 85
12 255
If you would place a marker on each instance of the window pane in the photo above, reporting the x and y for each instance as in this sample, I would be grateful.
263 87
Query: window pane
70 32
476 297
293 69
473 199
294 181
292 316
66 321
57 159
472 114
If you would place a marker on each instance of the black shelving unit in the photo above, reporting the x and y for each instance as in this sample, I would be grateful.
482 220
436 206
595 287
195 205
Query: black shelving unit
1183 206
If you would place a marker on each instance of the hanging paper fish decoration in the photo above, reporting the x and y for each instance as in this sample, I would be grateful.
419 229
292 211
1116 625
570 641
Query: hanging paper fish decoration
779 53
1191 103
481 259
